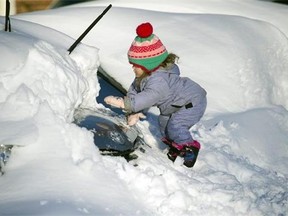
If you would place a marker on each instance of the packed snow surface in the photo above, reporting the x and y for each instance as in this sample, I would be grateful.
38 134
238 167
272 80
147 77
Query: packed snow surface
237 50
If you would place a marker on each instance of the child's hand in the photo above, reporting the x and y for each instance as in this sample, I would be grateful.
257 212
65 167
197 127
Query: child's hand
134 118
115 101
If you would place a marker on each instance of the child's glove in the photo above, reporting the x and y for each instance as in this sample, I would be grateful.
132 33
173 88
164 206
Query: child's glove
115 101
134 118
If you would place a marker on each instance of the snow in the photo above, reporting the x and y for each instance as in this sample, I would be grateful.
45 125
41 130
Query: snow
237 50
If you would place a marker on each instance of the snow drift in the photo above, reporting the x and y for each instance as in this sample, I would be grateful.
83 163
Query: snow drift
242 167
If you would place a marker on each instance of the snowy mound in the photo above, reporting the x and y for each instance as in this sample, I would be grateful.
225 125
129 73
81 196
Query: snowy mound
34 73
241 61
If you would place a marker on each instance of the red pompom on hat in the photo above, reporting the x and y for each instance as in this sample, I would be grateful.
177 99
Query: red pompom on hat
144 30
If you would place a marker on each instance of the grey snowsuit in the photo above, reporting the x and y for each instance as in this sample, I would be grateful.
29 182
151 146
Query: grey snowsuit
181 101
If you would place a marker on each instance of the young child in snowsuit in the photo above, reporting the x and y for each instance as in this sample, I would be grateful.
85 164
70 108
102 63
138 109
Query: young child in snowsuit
181 101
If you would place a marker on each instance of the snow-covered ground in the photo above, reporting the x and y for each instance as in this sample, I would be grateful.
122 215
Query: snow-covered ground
237 50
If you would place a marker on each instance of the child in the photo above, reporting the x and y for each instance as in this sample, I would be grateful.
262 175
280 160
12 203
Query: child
181 101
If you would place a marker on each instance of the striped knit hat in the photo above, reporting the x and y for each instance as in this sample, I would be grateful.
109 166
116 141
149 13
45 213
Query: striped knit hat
147 51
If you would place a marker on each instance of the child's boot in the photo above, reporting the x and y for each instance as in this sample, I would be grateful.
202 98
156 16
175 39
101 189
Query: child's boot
173 153
191 151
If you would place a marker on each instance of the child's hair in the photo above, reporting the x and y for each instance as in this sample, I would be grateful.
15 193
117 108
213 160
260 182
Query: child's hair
171 59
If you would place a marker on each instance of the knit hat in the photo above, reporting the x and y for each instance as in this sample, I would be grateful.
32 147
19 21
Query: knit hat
147 50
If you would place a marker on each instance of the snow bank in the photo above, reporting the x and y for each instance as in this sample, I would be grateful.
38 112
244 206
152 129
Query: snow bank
242 62
41 86
34 74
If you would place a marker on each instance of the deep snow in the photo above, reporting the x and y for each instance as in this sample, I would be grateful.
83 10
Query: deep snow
239 57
